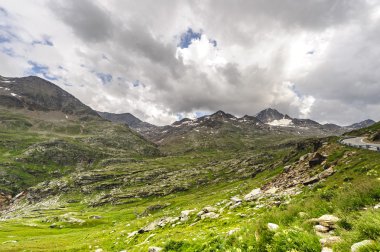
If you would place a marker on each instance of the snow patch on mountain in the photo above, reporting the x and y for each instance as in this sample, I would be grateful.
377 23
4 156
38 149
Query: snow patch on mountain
281 123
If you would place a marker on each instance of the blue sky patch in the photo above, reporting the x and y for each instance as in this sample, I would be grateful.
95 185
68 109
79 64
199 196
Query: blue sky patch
39 69
45 41
104 77
188 36
136 83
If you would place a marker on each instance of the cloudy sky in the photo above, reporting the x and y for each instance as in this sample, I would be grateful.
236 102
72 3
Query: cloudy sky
163 60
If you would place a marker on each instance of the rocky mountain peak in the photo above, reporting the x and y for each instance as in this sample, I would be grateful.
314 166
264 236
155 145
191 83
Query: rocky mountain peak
268 115
222 114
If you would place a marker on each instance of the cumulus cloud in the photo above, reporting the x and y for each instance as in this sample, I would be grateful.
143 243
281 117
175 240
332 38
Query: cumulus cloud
168 59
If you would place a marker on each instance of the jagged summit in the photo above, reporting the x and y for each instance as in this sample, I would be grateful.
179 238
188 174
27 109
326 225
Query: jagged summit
222 114
269 115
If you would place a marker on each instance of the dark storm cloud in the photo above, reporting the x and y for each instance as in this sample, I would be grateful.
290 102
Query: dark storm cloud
88 21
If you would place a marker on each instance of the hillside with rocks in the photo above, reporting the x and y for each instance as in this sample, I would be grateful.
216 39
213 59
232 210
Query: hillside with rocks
215 183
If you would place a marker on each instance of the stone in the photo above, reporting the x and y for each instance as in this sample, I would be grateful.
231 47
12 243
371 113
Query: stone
377 206
154 249
95 217
232 231
325 249
321 229
287 168
210 215
186 214
272 190
273 227
99 250
200 213
326 173
158 223
356 247
235 205
132 234
329 241
236 199
253 195
328 220
316 159
209 209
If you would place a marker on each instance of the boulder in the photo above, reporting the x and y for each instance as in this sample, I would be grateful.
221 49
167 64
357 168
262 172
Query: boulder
326 173
273 227
158 223
321 229
253 195
356 247
329 241
236 199
210 215
186 214
287 168
209 209
377 206
328 220
154 249
316 159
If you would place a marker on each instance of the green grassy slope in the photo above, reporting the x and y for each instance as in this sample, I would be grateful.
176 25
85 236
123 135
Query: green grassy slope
350 193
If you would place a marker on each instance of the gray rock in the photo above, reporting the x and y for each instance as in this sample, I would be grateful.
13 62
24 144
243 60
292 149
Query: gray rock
273 227
236 205
210 215
162 222
253 195
154 249
356 247
209 209
186 214
236 199
320 228
329 241
328 220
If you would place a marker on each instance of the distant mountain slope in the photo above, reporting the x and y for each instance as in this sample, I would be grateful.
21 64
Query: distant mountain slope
129 119
36 94
362 124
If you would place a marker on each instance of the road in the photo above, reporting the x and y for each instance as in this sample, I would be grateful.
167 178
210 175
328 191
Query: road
360 143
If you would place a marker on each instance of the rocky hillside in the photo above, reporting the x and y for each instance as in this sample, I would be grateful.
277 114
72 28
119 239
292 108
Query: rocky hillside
215 183
35 94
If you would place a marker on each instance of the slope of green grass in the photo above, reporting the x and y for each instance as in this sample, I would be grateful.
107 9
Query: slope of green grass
349 194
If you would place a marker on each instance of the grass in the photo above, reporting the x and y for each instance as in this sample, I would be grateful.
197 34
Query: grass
156 186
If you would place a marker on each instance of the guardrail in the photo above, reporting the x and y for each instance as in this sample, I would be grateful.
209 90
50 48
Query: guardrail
362 146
